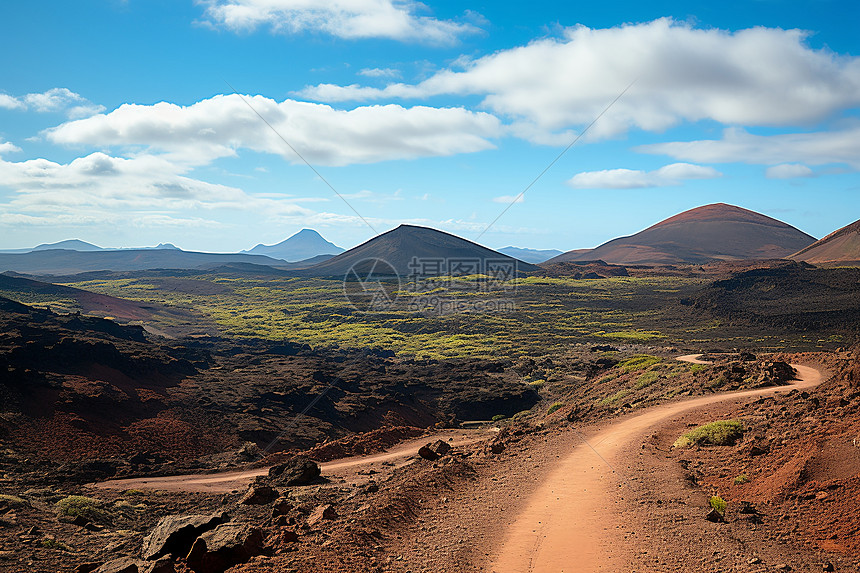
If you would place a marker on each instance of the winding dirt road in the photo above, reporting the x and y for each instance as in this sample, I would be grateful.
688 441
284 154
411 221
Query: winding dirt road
565 526
227 481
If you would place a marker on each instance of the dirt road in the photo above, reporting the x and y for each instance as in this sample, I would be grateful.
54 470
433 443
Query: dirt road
228 481
566 526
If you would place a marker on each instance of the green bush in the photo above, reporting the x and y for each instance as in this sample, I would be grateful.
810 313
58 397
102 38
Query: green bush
11 501
718 504
554 407
51 543
640 362
79 505
498 417
719 433
537 383
647 379
741 479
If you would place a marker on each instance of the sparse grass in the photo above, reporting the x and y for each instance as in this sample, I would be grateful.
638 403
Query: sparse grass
51 543
498 417
741 479
11 501
615 397
719 433
640 362
718 504
537 384
133 492
554 407
647 379
82 506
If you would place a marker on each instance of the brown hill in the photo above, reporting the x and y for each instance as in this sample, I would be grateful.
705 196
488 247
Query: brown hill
400 246
839 246
707 233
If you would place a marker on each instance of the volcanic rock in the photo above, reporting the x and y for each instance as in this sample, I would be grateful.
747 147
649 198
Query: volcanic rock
320 513
299 470
174 534
259 495
225 546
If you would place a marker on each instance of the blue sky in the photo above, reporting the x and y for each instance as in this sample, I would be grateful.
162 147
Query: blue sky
119 125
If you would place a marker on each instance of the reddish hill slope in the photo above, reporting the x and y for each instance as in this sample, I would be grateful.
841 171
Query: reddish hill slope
711 232
839 246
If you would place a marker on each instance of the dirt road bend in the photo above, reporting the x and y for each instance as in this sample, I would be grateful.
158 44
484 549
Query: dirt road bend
566 525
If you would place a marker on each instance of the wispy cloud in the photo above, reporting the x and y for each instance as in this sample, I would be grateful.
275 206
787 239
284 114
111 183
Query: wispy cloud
55 100
668 175
350 19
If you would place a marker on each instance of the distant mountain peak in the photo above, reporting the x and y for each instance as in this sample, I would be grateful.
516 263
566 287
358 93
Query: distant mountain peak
305 244
842 245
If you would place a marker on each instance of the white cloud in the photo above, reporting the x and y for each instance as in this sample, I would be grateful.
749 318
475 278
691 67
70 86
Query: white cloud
7 147
817 148
668 175
350 19
9 102
380 73
789 171
508 199
53 101
757 76
217 127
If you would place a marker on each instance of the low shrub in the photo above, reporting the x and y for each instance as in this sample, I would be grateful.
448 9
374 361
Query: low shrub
498 417
741 479
718 504
82 506
719 433
554 407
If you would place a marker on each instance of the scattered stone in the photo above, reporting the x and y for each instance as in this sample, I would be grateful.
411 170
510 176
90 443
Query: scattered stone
715 516
435 450
121 565
753 560
497 447
259 495
225 546
174 534
320 513
828 566
282 506
299 470
87 567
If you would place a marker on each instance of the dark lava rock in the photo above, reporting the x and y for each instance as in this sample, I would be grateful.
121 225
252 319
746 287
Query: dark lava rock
225 546
131 565
282 506
435 450
299 470
497 447
259 495
174 534
603 348
715 516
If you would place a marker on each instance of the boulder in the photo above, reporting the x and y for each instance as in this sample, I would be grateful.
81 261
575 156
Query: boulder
435 450
715 516
131 565
282 506
223 547
174 534
259 495
299 470
497 447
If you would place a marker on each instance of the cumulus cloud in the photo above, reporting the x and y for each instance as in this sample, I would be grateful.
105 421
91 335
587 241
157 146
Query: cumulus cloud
53 101
738 145
789 171
219 126
349 19
668 175
757 76
7 147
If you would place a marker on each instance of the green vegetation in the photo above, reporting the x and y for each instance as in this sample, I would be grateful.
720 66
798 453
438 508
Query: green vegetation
718 504
133 492
498 417
81 506
647 379
615 397
640 362
11 501
554 407
719 433
741 479
537 384
547 314
51 543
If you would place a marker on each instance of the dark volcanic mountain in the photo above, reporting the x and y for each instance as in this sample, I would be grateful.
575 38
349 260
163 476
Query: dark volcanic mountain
839 246
304 245
400 246
66 262
711 232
